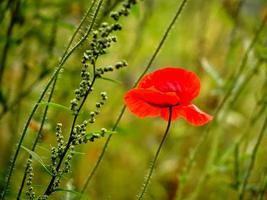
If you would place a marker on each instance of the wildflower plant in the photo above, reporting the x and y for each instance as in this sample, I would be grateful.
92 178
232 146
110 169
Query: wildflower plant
58 153
165 88
102 39
168 93
62 154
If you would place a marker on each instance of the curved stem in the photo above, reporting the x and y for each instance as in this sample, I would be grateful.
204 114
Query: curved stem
80 25
156 157
90 176
178 13
37 137
64 58
13 21
166 34
233 80
252 161
49 188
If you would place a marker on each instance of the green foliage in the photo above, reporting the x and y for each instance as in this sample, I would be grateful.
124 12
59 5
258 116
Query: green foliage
37 158
47 50
55 106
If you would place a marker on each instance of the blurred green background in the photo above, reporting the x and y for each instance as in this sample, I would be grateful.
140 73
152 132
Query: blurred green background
210 38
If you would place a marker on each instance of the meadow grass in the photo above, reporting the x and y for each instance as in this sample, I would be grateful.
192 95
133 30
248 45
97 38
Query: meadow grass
64 126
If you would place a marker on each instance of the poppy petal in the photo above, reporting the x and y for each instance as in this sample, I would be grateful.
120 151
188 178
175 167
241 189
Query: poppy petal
175 113
139 106
185 83
151 97
194 115
146 81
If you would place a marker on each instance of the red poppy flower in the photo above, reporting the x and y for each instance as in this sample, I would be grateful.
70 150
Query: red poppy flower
164 88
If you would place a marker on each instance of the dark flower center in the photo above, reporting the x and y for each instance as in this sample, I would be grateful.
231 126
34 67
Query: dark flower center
163 105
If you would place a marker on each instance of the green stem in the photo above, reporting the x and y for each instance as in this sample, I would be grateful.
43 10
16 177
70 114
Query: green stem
236 166
49 189
227 95
233 33
90 176
64 58
178 13
252 161
14 12
45 72
263 186
156 157
242 65
37 138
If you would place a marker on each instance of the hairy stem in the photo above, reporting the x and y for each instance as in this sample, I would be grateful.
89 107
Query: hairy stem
178 13
37 138
12 23
225 98
263 186
143 190
45 71
242 65
236 166
102 153
49 189
252 161
64 58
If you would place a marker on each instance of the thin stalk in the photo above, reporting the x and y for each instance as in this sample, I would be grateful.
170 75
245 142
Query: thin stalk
20 143
5 50
81 23
263 187
23 94
14 124
64 58
178 13
138 40
244 83
236 17
191 159
90 176
242 64
224 100
156 157
252 161
216 138
49 188
262 99
37 138
236 166
45 71
256 113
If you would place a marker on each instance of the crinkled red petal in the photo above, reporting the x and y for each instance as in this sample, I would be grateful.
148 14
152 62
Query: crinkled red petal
146 102
147 81
185 83
194 115
138 106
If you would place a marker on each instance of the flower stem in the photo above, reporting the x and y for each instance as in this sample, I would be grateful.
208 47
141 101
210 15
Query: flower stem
37 137
50 188
159 47
91 174
67 53
252 161
156 157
